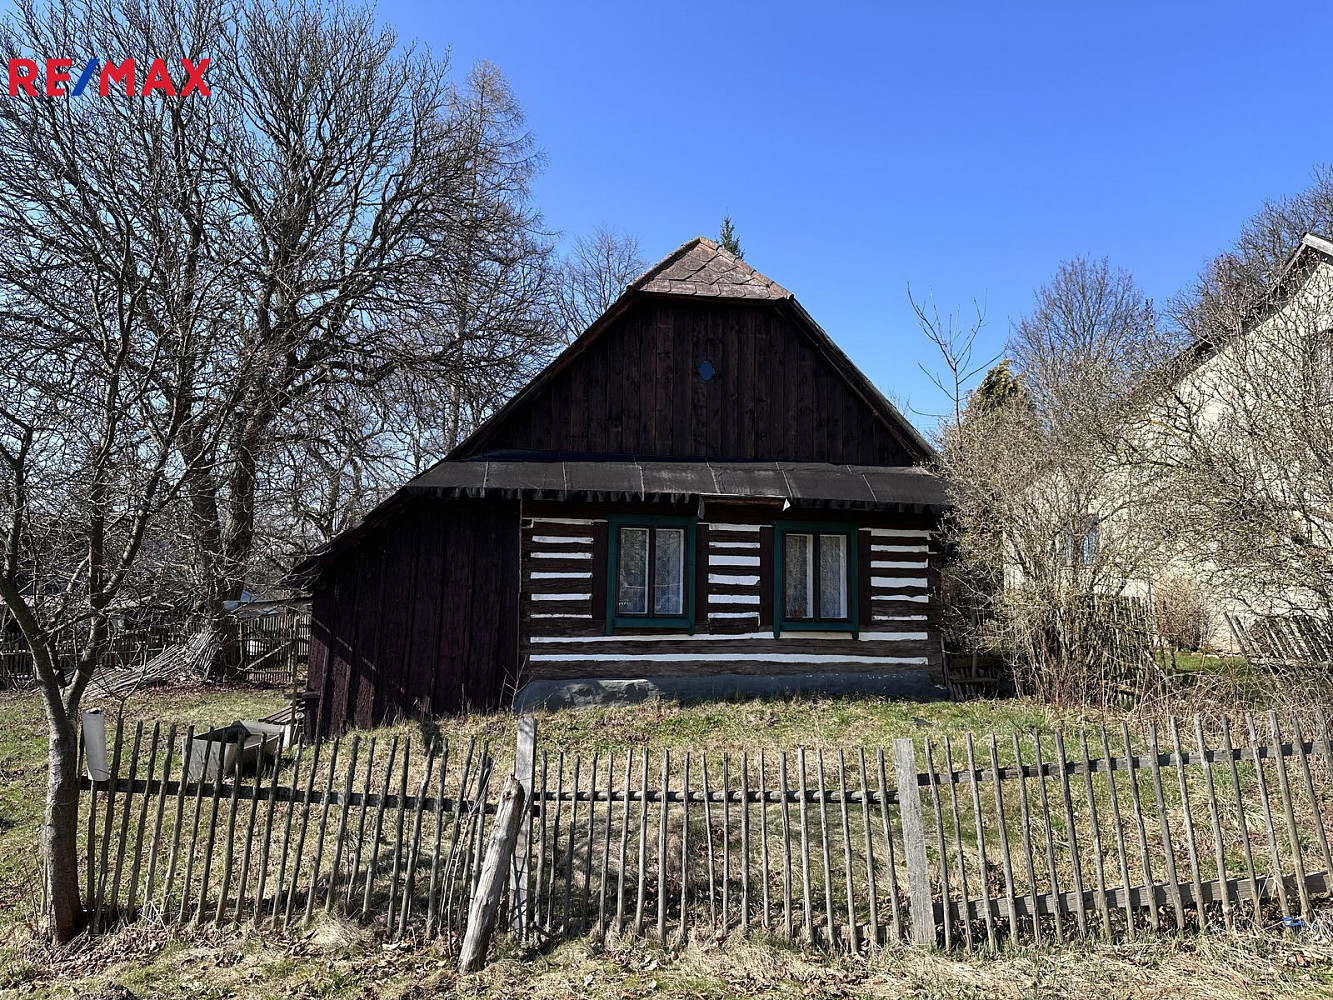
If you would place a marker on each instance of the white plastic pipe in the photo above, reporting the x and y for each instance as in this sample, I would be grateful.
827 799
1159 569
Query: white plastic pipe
94 745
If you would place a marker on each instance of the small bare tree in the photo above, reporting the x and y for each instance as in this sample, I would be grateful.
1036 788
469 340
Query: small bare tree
88 465
956 343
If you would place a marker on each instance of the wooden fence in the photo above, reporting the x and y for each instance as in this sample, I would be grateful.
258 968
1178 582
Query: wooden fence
127 649
1284 640
1027 836
274 648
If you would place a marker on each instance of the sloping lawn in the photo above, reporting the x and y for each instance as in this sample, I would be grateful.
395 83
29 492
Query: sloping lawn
23 769
335 958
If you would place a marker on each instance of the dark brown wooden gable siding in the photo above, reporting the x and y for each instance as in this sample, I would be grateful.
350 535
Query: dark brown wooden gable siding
420 619
637 390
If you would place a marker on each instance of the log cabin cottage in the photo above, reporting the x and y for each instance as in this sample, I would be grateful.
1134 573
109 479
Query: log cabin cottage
700 496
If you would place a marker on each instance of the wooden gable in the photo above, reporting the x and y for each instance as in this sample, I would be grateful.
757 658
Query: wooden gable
707 361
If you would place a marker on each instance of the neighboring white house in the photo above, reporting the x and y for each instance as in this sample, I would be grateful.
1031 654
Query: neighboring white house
1240 448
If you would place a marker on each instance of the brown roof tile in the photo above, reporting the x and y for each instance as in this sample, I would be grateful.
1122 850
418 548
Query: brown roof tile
701 267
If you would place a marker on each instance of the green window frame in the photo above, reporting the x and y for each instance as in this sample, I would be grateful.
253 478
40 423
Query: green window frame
815 530
615 618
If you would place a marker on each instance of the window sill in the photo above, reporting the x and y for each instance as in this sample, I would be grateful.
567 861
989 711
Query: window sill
650 625
846 628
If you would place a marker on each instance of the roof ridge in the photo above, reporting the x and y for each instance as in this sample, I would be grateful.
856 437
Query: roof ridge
1318 241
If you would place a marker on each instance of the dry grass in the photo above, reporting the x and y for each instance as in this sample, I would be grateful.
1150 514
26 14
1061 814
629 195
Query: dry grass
334 959
23 767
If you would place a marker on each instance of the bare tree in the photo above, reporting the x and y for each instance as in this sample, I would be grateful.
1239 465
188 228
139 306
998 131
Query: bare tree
1091 342
233 292
1213 307
391 249
480 329
592 276
1047 521
956 344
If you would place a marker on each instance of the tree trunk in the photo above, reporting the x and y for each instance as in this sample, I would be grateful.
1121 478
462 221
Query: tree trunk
227 657
61 831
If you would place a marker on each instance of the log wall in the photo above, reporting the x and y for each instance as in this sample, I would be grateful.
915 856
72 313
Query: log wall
565 573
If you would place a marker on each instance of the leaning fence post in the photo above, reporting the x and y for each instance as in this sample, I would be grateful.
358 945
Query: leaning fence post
525 756
482 914
914 843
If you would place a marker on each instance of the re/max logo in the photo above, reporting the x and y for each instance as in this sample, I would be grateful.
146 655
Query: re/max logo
24 77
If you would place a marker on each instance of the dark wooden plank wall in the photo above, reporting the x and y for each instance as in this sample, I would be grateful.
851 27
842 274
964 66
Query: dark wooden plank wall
636 390
563 616
419 619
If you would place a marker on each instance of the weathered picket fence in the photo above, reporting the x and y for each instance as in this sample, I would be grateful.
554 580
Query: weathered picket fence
965 844
273 645
1283 640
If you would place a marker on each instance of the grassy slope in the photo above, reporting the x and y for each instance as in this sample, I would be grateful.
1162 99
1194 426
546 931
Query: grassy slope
336 959
23 769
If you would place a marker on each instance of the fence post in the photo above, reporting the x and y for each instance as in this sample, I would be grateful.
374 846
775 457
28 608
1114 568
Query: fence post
525 757
494 874
914 844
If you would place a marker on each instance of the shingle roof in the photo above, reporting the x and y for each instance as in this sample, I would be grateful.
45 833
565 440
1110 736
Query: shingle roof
702 267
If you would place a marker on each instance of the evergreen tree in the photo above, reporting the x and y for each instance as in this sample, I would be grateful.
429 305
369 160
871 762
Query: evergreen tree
728 239
998 388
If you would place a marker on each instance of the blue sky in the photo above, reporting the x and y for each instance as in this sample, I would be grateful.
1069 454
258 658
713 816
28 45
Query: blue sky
963 148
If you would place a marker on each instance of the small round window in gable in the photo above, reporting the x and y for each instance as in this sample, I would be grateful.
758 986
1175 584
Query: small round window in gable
707 371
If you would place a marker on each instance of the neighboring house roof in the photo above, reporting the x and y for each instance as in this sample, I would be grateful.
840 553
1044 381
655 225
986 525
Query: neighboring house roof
701 268
1310 246
1310 243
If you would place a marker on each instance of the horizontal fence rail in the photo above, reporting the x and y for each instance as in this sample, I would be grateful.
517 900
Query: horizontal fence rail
960 843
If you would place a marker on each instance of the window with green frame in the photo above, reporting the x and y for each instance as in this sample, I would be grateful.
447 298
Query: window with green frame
650 573
815 579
